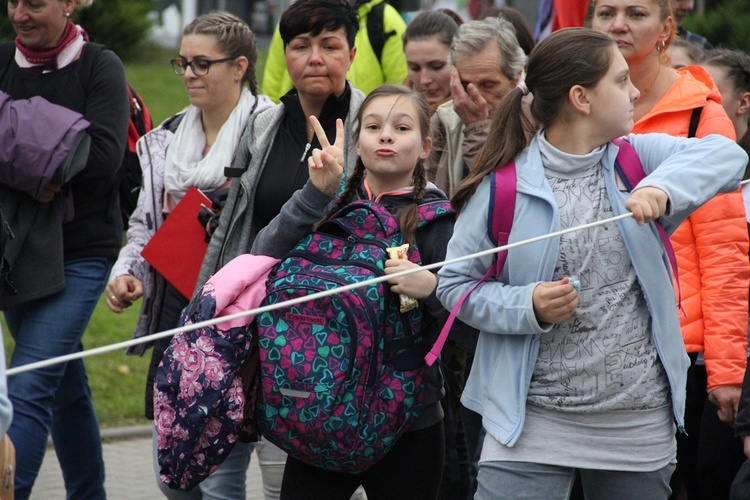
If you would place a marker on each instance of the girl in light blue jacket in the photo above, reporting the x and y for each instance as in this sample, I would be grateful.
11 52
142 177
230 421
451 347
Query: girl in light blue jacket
587 378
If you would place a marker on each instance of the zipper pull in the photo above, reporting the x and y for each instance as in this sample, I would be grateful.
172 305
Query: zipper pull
304 154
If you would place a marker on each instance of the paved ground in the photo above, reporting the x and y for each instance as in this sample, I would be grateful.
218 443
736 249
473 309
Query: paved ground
130 474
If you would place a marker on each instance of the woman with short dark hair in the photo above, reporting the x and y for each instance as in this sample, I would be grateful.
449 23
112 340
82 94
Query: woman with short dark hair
273 184
60 258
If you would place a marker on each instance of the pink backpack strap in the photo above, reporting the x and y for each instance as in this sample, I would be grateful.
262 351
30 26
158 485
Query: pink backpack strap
438 345
631 172
499 223
502 208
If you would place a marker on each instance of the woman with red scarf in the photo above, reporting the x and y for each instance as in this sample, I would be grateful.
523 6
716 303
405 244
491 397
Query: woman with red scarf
61 268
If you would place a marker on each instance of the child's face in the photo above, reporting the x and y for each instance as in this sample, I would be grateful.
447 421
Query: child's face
390 142
735 104
612 99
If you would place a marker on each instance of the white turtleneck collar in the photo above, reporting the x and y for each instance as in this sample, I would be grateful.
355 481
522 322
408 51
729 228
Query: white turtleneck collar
561 164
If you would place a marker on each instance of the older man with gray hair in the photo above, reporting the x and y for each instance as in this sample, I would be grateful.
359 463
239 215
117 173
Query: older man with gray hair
487 64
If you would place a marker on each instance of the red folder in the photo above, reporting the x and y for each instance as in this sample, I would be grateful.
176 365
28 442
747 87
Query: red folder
177 248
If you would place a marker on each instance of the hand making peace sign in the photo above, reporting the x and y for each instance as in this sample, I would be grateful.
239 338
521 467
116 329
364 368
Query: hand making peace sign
326 166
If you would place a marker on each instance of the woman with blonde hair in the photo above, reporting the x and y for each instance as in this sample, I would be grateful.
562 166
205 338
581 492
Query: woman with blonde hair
711 245
60 266
216 61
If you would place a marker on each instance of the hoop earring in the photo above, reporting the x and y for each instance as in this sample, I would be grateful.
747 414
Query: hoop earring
661 45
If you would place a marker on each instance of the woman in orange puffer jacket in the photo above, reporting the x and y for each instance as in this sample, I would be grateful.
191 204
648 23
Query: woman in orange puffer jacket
711 246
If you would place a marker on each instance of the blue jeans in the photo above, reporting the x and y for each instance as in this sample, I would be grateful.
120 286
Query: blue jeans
57 399
525 480
228 482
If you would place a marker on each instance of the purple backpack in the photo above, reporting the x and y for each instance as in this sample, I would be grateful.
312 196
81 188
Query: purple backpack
341 376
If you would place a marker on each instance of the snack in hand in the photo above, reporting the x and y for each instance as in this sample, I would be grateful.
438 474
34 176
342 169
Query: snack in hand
402 253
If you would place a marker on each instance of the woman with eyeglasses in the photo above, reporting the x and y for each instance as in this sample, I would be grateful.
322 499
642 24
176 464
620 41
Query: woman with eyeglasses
67 232
273 189
191 149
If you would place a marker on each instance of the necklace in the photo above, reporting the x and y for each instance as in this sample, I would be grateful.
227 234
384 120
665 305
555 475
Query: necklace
647 90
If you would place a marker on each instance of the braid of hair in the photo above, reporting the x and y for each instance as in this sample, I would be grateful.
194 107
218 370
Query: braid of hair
409 217
252 83
347 196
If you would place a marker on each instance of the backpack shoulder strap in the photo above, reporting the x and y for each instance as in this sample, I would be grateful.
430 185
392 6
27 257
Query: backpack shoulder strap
365 218
89 55
499 223
627 164
630 170
7 52
139 113
376 29
427 212
502 208
695 118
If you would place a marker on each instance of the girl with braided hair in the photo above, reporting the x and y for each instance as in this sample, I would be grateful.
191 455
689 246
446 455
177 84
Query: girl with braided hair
391 142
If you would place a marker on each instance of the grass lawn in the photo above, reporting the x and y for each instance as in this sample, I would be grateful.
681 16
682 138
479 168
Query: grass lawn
118 381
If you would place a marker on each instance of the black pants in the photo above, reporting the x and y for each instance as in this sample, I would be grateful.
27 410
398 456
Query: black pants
709 456
171 311
412 469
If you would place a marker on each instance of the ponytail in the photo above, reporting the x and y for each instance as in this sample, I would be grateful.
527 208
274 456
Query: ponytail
506 138
568 57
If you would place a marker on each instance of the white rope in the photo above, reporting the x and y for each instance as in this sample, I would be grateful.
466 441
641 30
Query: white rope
314 296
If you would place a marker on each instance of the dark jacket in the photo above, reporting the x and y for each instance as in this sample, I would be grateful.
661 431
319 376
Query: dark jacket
101 97
742 420
33 154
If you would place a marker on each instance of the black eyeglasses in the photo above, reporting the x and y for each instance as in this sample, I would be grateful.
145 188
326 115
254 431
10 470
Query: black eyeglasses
199 66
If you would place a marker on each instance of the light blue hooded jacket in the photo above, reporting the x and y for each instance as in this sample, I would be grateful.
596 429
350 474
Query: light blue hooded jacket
690 171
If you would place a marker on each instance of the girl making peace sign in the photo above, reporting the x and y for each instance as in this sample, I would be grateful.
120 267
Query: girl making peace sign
391 143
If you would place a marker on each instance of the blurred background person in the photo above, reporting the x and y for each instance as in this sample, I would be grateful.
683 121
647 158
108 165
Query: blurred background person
682 9
427 45
524 33
730 70
683 53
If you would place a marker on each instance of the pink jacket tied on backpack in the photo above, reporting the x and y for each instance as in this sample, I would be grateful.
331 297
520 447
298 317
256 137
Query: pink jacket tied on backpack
199 400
